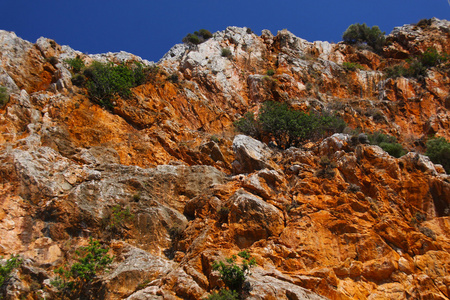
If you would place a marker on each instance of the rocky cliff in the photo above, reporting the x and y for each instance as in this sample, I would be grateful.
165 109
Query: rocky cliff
377 227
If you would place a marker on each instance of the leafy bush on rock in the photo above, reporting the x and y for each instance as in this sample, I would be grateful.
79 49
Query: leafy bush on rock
197 37
287 126
5 271
438 150
363 34
387 143
90 262
4 96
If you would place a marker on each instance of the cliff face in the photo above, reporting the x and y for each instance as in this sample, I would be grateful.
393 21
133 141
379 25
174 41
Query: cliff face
377 227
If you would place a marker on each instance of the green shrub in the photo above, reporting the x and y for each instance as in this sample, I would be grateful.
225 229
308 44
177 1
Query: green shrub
432 58
387 143
423 23
52 60
361 33
78 80
248 125
106 81
232 274
192 39
4 96
76 64
197 37
90 262
204 33
438 150
327 170
349 66
226 53
173 78
5 270
396 71
418 66
270 72
224 294
394 149
290 127
115 221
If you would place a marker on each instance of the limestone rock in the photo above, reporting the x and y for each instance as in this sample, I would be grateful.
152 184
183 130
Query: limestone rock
251 154
252 219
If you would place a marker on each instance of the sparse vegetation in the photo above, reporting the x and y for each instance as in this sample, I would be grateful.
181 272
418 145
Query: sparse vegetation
328 167
107 81
438 150
173 78
418 66
116 220
197 37
4 96
226 52
52 60
76 64
248 125
77 279
6 270
387 143
363 34
232 274
223 294
350 66
287 126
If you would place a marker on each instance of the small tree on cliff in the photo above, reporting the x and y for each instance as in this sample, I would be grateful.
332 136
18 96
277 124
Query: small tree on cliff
361 33
233 275
74 281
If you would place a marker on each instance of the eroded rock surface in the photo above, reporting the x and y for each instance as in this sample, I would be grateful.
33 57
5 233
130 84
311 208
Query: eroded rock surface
365 226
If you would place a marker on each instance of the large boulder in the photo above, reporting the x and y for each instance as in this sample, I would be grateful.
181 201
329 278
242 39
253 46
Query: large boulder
253 219
251 154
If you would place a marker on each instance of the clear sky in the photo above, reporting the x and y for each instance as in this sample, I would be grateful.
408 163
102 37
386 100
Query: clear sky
149 28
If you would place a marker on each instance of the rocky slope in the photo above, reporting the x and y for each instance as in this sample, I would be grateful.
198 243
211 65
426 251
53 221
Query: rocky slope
377 228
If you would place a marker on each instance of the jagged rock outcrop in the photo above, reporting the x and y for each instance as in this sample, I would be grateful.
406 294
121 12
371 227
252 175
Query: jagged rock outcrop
336 218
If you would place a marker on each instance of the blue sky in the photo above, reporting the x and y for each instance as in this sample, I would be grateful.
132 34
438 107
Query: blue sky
150 28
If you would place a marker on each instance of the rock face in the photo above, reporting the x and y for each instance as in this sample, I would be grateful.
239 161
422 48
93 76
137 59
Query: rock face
164 180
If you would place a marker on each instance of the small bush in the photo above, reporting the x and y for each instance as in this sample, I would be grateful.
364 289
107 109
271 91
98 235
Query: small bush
418 66
396 71
232 274
361 33
349 66
204 33
90 262
328 167
290 127
78 80
76 64
52 60
197 37
270 72
173 78
5 270
387 143
106 81
4 96
394 149
248 125
423 23
224 294
438 150
115 221
226 53
192 39
223 214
